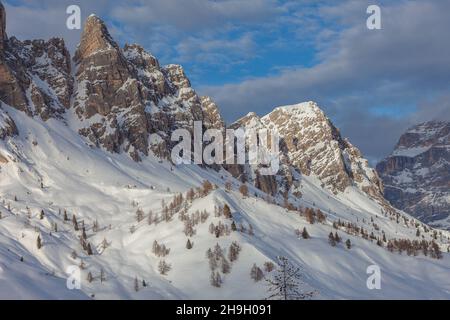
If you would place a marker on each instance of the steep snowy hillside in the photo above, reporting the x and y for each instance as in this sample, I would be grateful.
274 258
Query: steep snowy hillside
416 174
86 183
105 192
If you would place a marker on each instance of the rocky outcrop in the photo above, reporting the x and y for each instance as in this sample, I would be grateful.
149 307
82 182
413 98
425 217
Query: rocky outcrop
126 101
8 127
212 118
311 145
416 174
35 76
108 96
315 146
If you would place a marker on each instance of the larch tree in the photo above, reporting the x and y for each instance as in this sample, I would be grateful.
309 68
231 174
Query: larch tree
256 273
286 283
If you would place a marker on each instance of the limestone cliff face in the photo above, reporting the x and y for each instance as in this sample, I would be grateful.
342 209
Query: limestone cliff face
315 146
311 145
126 101
35 76
108 97
416 174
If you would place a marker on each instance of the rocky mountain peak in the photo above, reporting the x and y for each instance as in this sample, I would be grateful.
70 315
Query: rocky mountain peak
35 76
315 146
95 37
176 76
211 114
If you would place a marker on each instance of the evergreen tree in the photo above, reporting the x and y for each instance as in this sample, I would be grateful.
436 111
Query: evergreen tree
348 243
189 245
89 249
136 284
89 277
75 222
269 266
337 238
41 215
66 218
233 226
39 242
331 240
305 234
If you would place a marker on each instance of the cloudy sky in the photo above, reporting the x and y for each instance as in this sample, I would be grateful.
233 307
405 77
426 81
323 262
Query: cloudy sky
254 55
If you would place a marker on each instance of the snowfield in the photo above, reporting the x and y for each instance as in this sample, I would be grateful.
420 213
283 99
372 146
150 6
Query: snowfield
110 188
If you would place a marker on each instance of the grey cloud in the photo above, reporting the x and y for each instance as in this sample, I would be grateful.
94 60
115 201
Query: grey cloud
359 70
195 15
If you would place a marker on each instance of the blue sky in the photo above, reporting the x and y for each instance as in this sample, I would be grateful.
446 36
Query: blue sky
255 55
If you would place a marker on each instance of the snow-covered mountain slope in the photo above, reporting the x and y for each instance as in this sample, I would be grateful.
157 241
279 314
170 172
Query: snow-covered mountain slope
416 174
108 188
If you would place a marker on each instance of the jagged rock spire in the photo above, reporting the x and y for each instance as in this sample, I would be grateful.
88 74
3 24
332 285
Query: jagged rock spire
95 37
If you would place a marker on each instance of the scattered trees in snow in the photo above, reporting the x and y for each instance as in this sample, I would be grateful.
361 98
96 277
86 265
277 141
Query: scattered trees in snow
89 250
160 250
